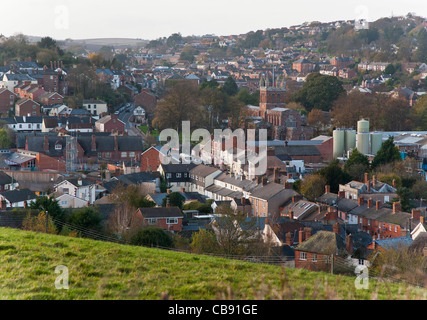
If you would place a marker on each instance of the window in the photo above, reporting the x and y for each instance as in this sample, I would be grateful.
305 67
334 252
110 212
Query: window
185 175
124 154
314 257
65 190
64 203
169 175
107 154
303 256
178 175
151 221
389 227
34 106
172 220
395 228
58 146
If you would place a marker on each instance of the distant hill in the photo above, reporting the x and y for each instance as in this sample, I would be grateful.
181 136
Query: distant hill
104 270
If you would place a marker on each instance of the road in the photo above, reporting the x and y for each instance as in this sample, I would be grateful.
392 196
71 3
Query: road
130 126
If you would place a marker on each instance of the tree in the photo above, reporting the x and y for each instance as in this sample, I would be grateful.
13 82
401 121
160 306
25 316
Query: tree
388 153
179 104
390 69
421 53
248 98
236 234
4 139
334 175
230 86
38 223
356 165
204 241
175 199
419 190
188 53
49 205
85 218
405 195
152 236
319 91
313 186
316 119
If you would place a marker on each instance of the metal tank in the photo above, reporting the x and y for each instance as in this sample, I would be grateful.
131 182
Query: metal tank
376 142
362 126
338 148
350 139
362 143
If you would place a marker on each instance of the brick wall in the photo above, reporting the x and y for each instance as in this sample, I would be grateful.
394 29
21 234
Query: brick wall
150 160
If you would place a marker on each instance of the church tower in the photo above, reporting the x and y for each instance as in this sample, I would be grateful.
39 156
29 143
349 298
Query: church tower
271 96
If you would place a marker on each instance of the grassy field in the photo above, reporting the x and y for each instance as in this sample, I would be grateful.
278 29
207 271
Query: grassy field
102 270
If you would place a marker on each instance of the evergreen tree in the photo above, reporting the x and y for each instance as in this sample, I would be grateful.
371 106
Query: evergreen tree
388 153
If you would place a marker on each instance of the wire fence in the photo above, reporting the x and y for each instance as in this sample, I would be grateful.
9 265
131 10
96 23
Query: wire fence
335 264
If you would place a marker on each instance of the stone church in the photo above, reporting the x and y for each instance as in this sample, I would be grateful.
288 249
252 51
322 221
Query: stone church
282 123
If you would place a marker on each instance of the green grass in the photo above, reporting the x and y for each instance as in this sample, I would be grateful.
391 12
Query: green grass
102 270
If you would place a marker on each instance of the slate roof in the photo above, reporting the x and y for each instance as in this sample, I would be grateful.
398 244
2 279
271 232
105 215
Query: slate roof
161 212
324 242
272 189
5 178
307 150
395 243
19 195
203 170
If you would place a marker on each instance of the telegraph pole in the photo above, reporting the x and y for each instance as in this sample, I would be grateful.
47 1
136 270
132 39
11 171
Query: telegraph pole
47 220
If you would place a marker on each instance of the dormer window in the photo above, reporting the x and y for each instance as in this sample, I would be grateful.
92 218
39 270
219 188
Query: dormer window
58 146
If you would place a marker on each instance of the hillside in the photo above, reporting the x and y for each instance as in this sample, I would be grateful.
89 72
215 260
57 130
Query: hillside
101 270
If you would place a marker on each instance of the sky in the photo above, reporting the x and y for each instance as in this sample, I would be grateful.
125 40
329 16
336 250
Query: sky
85 19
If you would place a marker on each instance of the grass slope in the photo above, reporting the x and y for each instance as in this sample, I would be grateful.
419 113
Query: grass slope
102 270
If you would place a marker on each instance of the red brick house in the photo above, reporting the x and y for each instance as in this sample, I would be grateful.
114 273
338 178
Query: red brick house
167 218
147 100
51 98
110 123
25 107
7 100
303 66
150 159
320 251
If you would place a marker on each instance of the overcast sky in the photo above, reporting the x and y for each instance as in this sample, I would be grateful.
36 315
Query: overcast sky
78 19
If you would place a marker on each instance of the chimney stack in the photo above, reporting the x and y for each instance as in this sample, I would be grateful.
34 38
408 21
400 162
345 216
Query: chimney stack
370 203
93 144
46 143
378 205
393 183
264 181
349 244
182 190
307 233
116 143
416 214
341 194
360 201
366 178
336 228
288 239
291 213
397 207
327 189
374 181
301 236
421 219
168 204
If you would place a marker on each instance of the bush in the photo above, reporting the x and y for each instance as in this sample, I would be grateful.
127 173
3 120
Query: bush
152 236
